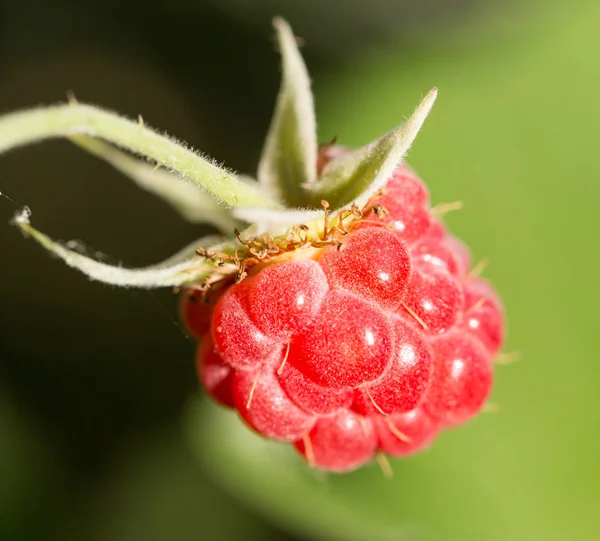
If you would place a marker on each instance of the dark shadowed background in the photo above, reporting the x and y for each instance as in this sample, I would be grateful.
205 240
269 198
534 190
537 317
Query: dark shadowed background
102 437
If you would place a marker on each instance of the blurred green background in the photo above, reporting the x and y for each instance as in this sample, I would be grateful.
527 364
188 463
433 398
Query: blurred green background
102 436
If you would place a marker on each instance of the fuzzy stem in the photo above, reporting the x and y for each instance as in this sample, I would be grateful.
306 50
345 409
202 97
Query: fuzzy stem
24 127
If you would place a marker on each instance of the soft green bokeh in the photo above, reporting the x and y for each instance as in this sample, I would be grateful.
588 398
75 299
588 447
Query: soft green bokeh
514 135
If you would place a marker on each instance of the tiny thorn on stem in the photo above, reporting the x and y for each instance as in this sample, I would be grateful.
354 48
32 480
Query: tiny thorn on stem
363 424
253 388
2 194
71 99
375 403
401 436
478 269
384 464
441 209
308 450
477 305
490 407
414 315
285 358
507 358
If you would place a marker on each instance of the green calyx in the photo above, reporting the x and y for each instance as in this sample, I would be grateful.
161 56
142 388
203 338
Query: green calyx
289 191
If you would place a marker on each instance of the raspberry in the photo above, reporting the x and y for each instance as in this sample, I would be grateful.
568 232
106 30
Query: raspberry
375 343
344 319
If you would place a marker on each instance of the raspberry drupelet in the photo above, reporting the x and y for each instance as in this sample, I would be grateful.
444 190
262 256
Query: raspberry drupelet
372 344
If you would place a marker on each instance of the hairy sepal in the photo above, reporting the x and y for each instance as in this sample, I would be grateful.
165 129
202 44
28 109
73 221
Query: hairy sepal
357 175
288 164
190 201
184 266
34 125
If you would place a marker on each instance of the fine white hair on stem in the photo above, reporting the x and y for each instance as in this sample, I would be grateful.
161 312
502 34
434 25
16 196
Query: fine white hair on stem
180 268
32 125
277 217
359 174
193 204
289 158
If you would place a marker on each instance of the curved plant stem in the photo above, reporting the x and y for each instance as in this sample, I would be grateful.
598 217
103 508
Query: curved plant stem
184 266
193 204
24 127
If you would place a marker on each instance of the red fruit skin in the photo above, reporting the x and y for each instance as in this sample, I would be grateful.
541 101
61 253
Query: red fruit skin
378 345
436 256
348 344
406 200
196 308
436 231
238 341
461 253
403 386
352 266
484 314
215 374
418 427
435 298
311 397
286 296
270 411
462 378
341 442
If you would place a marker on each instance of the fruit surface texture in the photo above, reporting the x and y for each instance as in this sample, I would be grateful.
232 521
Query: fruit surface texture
333 311
373 344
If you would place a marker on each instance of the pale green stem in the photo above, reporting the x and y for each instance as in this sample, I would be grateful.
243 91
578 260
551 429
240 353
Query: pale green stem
24 127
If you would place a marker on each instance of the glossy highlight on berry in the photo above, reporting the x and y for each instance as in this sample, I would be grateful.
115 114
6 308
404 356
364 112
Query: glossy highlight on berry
334 310
374 344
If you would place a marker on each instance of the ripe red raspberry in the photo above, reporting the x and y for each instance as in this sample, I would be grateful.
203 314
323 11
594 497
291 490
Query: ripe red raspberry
372 342
345 318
